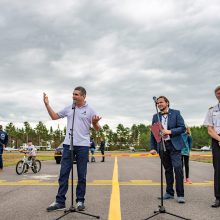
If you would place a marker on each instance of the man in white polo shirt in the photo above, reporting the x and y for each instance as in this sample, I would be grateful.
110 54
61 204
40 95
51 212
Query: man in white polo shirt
84 117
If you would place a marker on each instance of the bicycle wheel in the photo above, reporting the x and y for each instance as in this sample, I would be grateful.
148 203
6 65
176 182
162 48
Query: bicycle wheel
37 167
20 167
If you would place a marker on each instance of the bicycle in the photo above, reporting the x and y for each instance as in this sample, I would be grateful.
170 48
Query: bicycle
23 165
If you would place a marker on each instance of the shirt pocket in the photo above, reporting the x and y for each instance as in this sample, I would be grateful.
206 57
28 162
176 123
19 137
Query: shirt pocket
216 119
84 117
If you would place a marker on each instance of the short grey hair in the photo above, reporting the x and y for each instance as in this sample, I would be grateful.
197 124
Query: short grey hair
81 89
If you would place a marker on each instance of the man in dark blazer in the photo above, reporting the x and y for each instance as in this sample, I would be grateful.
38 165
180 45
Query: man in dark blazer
173 127
3 144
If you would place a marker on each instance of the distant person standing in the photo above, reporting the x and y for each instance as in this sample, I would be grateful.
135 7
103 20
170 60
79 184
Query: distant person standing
3 144
92 149
102 149
212 121
187 138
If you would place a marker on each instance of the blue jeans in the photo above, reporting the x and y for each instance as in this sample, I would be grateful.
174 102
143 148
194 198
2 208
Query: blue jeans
1 160
172 161
81 155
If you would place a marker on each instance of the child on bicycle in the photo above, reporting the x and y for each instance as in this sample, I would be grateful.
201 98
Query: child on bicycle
31 151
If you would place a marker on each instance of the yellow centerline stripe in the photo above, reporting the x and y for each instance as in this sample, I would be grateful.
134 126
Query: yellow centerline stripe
115 207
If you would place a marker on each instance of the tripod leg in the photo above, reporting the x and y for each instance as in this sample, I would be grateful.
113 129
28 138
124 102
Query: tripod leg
74 210
65 213
177 216
156 213
84 213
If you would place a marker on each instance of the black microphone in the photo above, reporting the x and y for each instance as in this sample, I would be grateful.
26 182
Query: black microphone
74 104
155 98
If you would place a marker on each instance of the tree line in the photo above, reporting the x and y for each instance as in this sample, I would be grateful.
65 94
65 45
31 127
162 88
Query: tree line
122 138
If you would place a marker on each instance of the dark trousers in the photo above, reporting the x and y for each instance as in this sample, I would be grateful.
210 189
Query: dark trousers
103 154
185 163
92 152
171 160
1 158
216 165
81 155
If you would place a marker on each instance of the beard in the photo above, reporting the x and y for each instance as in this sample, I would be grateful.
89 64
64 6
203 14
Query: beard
162 108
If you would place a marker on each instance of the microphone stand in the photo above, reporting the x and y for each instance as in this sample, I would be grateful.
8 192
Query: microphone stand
72 208
162 150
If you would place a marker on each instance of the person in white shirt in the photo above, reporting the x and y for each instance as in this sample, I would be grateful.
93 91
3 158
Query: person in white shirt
212 121
85 115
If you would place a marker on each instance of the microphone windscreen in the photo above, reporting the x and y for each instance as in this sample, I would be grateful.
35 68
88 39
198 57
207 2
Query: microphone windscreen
74 104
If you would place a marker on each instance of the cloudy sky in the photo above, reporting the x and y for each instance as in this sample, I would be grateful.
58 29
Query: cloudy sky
123 52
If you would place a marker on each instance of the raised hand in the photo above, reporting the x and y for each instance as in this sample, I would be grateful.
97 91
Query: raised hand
95 119
45 98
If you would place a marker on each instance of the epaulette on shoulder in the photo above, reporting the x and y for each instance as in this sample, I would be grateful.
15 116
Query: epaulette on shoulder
211 107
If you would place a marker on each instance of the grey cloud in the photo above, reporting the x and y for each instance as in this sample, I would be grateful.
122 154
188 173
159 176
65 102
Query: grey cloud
122 60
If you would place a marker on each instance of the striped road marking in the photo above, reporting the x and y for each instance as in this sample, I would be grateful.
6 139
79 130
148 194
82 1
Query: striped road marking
115 207
114 155
112 183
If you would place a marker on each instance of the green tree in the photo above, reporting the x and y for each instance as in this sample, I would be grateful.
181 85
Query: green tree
123 135
135 133
42 133
29 132
58 137
11 131
200 136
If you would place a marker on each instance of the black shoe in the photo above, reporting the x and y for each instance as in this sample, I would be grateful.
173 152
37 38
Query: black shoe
55 206
216 204
80 206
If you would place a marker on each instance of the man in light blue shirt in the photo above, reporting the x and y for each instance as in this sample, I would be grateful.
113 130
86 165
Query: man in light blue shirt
84 117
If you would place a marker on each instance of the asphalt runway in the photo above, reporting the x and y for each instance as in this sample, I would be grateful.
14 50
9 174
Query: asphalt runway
121 188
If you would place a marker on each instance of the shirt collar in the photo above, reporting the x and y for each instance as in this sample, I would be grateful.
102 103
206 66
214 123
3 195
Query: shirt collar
85 104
